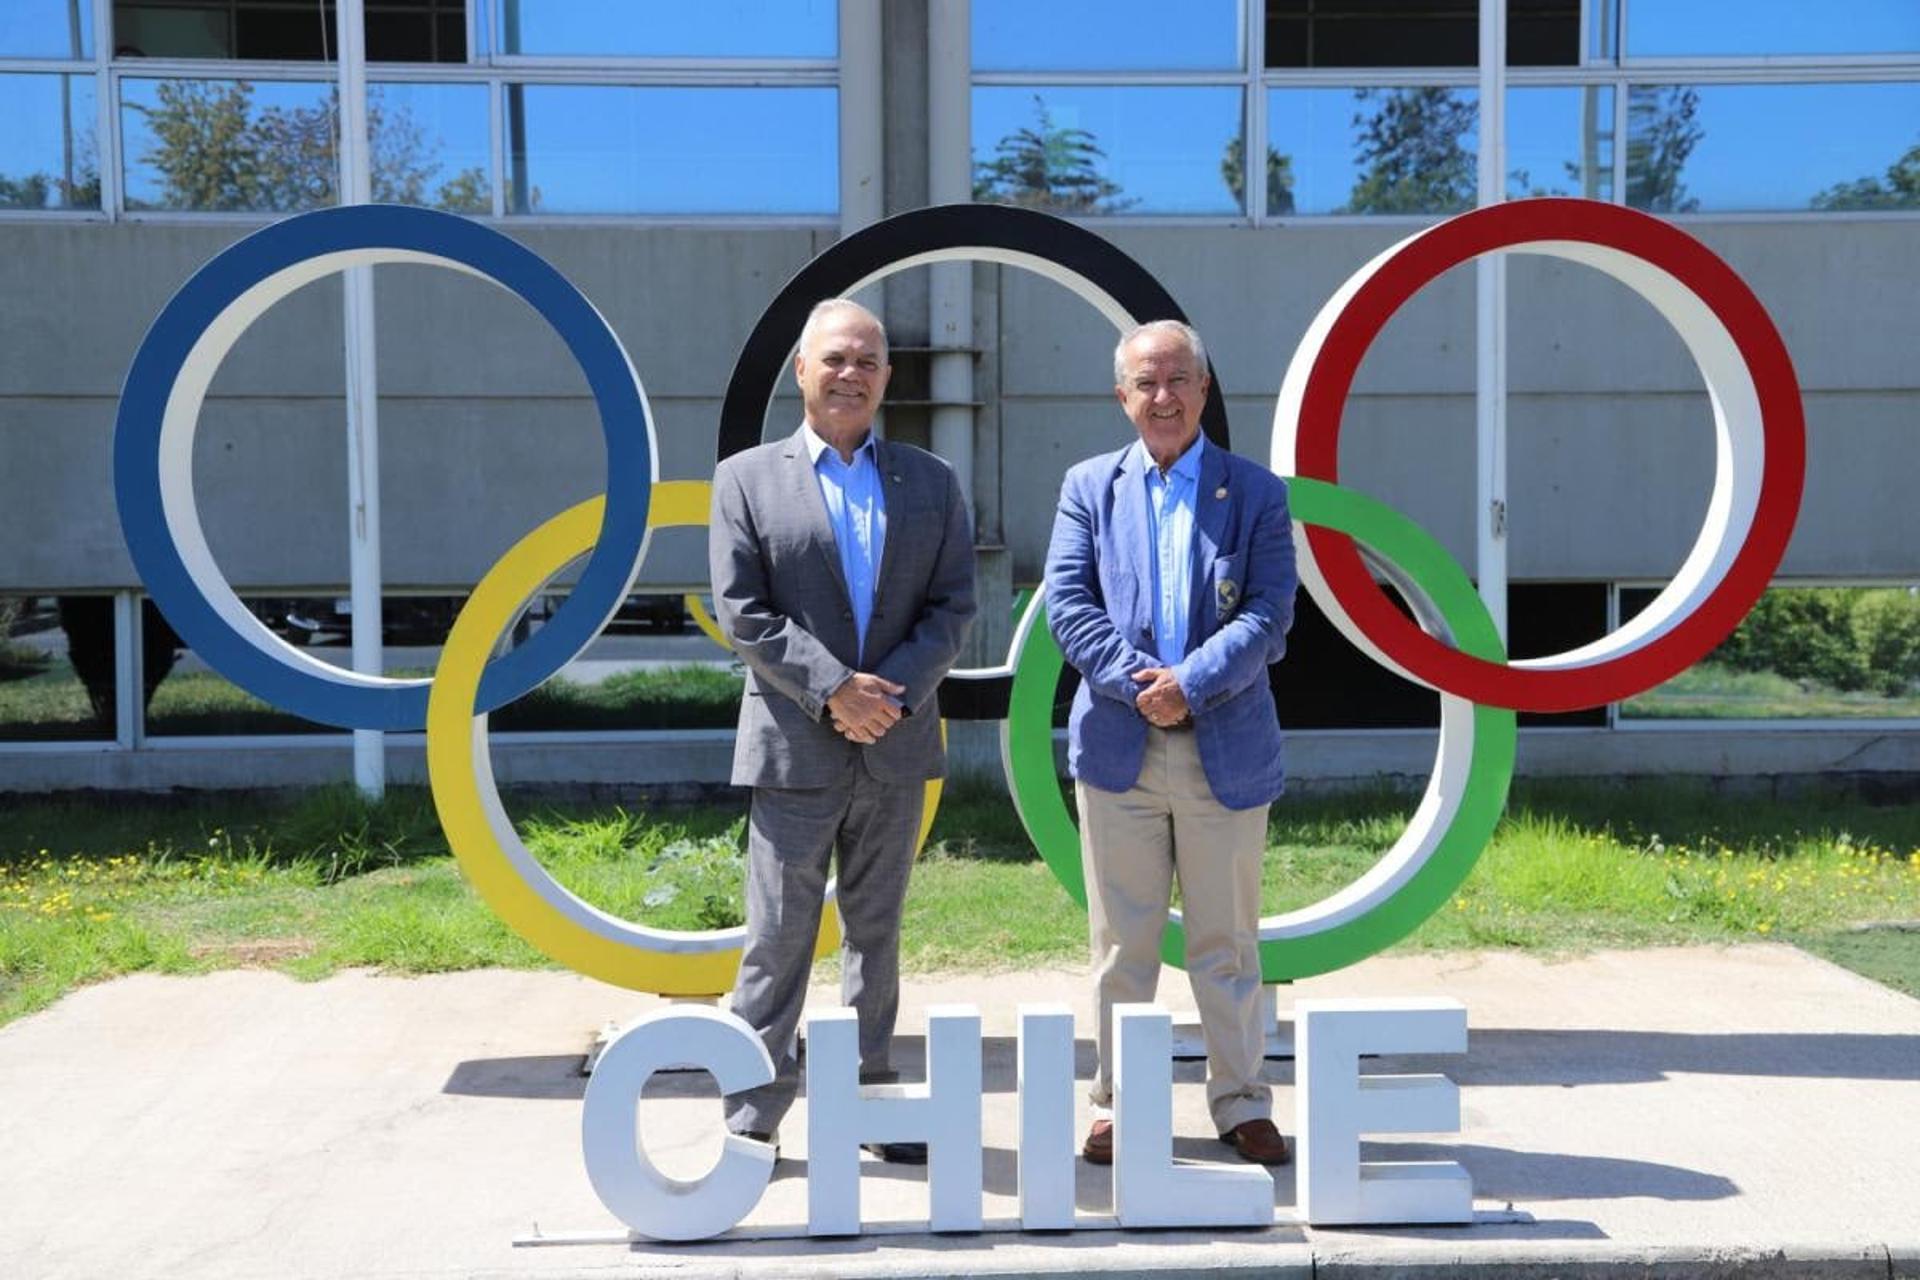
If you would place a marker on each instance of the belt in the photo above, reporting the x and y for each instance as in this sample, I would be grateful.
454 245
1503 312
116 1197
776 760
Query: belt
1183 725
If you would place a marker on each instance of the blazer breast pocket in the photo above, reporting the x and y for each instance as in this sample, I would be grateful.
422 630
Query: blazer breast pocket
1228 582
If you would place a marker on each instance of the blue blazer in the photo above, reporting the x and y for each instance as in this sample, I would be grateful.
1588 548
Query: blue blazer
1100 607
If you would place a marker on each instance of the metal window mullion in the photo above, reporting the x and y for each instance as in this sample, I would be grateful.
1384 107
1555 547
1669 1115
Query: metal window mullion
128 674
106 109
224 69
1723 74
50 66
1253 148
1558 77
1129 79
1613 625
112 148
497 143
668 66
1620 141
1372 78
680 79
1865 63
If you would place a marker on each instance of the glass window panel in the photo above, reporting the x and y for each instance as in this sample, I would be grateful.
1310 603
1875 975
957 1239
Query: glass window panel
228 144
420 31
671 28
396 30
178 31
1560 142
1109 149
46 29
582 149
650 669
1803 653
1327 683
1694 28
1107 35
1733 147
1377 150
57 668
430 146
49 156
1437 33
1541 33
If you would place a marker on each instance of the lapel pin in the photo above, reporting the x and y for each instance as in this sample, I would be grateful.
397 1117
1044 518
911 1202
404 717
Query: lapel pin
1221 492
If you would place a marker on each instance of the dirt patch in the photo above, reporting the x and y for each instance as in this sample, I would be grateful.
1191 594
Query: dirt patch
254 953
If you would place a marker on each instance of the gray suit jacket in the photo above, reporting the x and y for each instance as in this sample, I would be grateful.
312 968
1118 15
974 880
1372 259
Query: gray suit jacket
783 604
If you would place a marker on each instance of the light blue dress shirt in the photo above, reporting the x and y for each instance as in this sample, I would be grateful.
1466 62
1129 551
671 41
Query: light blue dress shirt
1170 506
857 510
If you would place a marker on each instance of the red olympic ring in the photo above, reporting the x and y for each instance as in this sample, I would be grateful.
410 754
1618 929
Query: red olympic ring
1557 226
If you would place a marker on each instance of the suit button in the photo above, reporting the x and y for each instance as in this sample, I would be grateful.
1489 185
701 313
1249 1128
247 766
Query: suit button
846 613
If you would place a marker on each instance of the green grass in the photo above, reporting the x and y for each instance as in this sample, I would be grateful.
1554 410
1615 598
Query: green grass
1887 954
43 701
90 890
1710 691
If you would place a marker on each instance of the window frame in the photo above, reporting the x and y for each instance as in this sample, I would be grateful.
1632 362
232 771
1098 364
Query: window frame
1588 68
483 66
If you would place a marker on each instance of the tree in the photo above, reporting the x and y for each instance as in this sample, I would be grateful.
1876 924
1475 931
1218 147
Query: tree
465 192
1050 168
1233 171
212 150
1898 189
1661 134
1411 151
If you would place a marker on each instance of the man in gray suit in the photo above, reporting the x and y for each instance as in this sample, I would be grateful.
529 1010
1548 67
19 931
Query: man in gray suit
843 578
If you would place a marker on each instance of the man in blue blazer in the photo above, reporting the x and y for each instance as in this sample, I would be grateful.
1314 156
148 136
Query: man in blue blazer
1169 586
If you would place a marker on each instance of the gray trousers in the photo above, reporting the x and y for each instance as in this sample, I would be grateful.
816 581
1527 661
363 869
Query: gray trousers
791 836
1132 845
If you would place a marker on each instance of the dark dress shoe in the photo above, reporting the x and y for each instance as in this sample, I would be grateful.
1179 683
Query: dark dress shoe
1098 1148
1258 1141
898 1152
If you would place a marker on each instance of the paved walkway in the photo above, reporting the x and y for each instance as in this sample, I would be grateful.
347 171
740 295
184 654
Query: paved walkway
1671 1112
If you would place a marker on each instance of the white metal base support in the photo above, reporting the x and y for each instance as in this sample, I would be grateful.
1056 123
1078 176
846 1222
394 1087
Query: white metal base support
612 1027
1189 1046
998 1226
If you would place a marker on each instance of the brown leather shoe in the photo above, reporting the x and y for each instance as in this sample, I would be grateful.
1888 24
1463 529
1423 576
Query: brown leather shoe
1098 1148
1258 1141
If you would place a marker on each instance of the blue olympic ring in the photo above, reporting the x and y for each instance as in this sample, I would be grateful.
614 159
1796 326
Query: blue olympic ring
153 451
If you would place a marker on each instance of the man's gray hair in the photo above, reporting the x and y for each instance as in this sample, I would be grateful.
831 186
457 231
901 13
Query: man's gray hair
831 306
1185 332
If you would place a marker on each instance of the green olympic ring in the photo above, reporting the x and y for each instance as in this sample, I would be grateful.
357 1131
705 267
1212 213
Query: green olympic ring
1465 796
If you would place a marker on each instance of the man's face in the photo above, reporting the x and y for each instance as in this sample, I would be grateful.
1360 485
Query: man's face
842 371
1163 392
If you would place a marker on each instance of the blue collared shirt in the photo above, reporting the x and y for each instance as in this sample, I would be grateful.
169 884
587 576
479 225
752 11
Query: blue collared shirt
1170 506
857 510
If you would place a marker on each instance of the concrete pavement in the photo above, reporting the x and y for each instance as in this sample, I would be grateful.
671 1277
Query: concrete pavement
1694 1111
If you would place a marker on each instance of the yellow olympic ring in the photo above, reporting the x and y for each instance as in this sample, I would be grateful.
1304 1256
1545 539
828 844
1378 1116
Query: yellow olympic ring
697 608
459 765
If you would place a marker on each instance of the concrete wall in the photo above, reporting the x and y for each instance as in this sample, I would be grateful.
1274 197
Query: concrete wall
486 428
1611 448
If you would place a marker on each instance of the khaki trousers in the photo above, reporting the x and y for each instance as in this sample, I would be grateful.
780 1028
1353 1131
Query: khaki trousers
1132 845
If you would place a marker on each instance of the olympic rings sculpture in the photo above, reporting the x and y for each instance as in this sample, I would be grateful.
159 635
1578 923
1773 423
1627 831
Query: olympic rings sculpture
1451 646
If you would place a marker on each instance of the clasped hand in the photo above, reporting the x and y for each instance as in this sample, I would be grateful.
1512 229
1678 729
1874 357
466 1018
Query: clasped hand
865 707
1161 701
